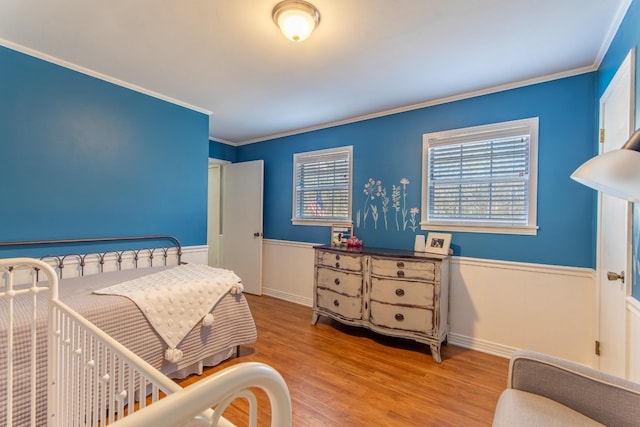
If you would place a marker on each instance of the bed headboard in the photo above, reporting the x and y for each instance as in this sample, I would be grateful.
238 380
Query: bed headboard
129 251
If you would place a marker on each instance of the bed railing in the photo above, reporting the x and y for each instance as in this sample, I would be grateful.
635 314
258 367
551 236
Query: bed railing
93 380
98 260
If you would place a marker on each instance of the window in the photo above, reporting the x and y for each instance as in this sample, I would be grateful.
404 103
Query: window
322 186
481 179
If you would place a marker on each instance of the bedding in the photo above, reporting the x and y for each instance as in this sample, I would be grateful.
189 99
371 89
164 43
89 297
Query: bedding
120 318
174 300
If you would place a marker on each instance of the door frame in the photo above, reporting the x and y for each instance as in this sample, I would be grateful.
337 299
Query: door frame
214 240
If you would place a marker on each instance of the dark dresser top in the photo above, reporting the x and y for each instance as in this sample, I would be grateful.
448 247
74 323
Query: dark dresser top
365 250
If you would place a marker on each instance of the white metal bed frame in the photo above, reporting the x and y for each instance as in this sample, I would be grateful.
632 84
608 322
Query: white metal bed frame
93 380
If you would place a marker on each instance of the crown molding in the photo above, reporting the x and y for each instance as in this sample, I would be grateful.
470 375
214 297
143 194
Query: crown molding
222 141
97 75
439 101
613 30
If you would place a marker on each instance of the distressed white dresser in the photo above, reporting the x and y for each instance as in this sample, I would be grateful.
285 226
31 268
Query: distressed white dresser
393 292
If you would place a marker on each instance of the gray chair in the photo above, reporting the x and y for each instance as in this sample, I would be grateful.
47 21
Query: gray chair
547 391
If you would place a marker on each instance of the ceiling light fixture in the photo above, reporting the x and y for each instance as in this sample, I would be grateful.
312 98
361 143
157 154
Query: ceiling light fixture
616 172
296 19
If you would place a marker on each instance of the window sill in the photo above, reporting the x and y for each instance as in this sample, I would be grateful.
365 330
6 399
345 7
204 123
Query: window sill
316 222
529 230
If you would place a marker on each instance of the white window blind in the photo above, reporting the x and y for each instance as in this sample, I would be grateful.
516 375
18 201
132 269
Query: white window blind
481 176
322 186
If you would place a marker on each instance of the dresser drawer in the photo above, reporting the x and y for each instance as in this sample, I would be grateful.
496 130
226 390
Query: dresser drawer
340 261
340 281
402 292
404 269
401 317
345 306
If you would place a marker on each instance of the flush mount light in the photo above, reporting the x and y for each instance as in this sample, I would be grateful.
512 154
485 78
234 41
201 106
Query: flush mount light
296 19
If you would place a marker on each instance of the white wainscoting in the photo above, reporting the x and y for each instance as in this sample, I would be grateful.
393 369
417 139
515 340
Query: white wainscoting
495 306
287 271
633 315
195 254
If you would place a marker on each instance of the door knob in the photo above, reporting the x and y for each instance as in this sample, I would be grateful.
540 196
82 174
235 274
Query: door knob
615 276
257 234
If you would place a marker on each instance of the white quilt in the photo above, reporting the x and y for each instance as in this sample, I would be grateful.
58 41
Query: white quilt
175 300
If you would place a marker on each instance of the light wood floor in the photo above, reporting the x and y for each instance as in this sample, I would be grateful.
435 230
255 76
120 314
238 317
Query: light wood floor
345 376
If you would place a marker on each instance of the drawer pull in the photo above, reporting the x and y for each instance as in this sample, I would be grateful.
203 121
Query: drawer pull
336 302
337 281
337 265
400 292
399 317
337 257
400 264
400 273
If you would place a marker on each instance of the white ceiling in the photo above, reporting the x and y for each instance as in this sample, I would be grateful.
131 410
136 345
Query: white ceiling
366 57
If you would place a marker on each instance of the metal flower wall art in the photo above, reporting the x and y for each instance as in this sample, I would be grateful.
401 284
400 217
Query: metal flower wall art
394 210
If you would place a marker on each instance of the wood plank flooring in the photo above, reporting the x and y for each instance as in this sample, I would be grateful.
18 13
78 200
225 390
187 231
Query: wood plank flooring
344 376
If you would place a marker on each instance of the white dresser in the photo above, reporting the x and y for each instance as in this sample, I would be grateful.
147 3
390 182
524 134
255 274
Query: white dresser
393 292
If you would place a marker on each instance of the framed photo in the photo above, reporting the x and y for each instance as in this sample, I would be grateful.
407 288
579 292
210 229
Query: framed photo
438 243
340 233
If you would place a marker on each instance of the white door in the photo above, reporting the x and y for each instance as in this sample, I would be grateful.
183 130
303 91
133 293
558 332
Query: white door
614 230
242 222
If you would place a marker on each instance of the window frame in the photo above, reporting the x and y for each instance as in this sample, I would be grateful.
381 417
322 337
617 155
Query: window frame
476 134
319 155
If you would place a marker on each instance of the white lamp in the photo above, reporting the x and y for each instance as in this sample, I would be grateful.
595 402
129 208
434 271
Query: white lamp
296 19
616 172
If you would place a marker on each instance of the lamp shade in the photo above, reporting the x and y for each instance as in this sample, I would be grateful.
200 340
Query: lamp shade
296 19
616 172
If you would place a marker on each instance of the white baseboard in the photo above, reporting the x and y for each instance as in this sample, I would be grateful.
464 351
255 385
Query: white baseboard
481 345
275 293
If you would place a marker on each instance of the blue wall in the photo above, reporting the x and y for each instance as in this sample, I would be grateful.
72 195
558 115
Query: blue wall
389 149
85 158
220 151
627 38
113 161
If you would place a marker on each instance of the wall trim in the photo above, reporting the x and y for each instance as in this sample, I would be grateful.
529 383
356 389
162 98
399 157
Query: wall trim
222 141
98 75
480 262
480 345
633 305
613 30
582 272
285 296
290 243
195 249
439 101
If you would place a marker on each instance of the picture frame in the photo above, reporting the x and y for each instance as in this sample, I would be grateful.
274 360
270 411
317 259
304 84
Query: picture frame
438 243
340 233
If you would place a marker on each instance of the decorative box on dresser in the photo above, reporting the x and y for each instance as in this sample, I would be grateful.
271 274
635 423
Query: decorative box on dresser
392 292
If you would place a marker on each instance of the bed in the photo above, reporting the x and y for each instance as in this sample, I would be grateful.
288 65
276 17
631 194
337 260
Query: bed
77 277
